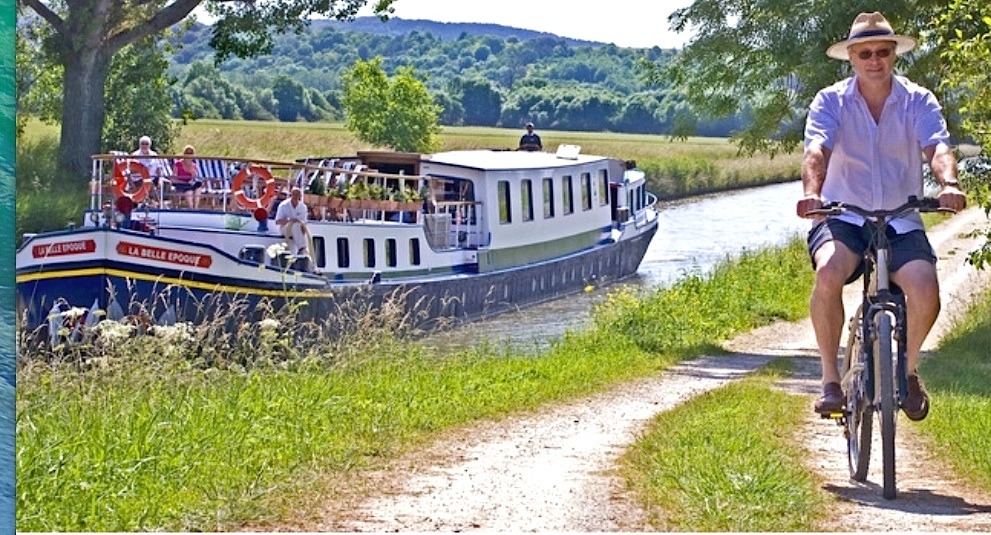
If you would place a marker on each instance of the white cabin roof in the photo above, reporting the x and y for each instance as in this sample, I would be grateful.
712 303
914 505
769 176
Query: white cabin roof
504 160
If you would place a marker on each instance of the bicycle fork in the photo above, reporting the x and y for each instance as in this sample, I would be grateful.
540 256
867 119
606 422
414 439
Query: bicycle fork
893 304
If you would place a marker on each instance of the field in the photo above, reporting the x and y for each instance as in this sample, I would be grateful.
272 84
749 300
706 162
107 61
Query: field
674 168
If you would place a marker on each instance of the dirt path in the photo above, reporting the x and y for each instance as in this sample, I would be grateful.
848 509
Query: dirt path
554 471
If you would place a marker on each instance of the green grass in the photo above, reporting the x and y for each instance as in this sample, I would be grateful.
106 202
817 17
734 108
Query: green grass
752 290
721 463
147 438
958 378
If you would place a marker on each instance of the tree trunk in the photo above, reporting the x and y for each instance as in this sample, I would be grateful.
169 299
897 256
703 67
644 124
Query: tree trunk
83 110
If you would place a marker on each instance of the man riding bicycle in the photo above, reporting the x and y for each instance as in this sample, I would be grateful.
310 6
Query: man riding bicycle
865 138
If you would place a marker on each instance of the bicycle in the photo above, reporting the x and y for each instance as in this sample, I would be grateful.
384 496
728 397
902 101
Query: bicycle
874 378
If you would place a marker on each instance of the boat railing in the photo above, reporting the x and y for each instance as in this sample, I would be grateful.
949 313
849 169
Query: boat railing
454 224
641 216
351 192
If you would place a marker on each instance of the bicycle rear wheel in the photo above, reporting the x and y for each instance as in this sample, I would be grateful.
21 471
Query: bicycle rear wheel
885 391
859 411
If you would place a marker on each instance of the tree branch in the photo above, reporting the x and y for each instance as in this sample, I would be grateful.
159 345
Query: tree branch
50 16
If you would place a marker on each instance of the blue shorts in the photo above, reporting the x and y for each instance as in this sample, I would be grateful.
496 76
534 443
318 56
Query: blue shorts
183 187
913 245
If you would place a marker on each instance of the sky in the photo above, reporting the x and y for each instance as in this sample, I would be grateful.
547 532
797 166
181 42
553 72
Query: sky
625 23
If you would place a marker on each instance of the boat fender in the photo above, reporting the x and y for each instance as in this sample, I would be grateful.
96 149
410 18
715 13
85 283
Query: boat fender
238 187
122 171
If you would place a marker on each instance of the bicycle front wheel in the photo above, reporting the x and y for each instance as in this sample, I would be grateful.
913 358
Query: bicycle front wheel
859 411
884 375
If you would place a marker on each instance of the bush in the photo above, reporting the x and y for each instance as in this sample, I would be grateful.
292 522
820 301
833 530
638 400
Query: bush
46 198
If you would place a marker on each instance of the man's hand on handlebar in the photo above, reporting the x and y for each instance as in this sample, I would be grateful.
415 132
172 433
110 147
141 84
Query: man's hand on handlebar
952 198
807 204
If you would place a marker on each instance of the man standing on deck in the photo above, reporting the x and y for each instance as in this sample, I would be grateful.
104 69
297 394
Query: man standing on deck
530 141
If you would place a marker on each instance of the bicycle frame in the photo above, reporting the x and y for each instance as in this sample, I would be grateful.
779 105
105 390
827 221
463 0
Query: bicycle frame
874 376
879 297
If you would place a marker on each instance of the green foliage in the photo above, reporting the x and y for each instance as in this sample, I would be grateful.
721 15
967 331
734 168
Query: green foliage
966 45
38 176
245 29
205 94
958 377
86 38
395 112
38 75
139 103
288 95
568 77
481 102
698 309
767 59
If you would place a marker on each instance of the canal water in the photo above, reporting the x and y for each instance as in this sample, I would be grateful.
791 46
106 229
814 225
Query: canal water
694 235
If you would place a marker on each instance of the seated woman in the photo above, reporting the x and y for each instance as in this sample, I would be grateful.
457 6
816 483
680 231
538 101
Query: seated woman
186 179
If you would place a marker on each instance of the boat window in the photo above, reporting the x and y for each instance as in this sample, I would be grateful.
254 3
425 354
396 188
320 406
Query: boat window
390 252
567 195
369 251
505 208
319 251
586 191
343 257
526 199
548 197
603 187
414 252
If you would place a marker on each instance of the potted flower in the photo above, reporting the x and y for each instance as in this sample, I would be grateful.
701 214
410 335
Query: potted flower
391 202
314 198
410 200
335 198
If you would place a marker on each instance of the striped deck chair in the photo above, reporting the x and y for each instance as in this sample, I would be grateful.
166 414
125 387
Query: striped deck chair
216 181
305 177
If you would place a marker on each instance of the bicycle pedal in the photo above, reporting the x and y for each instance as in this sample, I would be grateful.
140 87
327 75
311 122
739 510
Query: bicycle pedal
835 415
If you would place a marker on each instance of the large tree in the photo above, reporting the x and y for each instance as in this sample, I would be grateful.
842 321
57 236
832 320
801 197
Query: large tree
767 59
89 33
966 45
396 112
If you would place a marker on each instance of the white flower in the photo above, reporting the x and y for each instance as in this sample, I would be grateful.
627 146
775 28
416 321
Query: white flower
113 331
268 325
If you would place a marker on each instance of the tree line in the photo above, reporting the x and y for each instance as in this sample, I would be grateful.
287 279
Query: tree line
750 69
478 80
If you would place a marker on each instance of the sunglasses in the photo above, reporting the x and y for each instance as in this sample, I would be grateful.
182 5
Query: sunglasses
880 53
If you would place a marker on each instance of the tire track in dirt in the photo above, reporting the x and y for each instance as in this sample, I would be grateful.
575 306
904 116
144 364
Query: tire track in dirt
555 471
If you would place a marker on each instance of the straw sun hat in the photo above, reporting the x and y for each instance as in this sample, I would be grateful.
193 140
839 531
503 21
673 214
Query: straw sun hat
871 27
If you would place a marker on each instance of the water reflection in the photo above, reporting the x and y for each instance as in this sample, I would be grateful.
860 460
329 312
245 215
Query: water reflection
694 235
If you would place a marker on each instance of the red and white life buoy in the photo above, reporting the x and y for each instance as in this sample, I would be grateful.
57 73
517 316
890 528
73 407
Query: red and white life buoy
123 170
238 187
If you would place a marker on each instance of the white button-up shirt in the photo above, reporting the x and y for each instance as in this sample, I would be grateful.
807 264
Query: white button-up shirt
875 165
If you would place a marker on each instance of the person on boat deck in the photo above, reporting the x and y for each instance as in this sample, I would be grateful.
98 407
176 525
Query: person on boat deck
530 141
186 179
291 218
156 166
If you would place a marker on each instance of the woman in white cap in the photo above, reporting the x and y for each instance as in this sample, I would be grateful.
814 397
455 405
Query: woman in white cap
865 139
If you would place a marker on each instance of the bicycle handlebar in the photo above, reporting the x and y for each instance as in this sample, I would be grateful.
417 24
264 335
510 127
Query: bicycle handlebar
914 203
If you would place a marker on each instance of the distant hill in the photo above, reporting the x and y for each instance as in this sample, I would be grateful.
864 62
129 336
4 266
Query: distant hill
448 31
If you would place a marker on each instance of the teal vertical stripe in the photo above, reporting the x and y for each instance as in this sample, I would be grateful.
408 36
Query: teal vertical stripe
7 314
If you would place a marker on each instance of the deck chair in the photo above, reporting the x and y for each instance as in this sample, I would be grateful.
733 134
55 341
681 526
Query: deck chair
216 181
305 177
